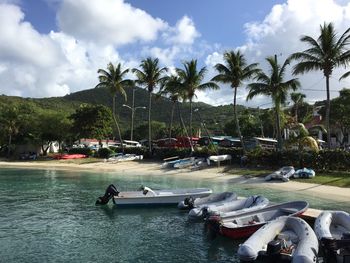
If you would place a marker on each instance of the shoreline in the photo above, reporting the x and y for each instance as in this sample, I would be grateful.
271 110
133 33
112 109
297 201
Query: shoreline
211 173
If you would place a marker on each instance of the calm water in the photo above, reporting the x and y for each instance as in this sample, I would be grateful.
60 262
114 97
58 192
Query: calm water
50 216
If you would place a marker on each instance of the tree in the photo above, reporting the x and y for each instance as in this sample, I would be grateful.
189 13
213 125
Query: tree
150 76
113 80
234 72
325 54
92 121
298 99
273 85
14 120
191 81
49 127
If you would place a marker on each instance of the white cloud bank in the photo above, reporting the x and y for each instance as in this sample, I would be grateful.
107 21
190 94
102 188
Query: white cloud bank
92 32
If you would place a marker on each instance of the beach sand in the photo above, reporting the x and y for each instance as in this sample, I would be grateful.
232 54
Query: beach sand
210 173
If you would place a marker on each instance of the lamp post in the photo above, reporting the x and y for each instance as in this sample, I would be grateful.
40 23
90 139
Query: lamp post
133 109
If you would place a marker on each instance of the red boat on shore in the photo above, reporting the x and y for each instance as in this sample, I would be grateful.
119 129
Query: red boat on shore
245 224
69 156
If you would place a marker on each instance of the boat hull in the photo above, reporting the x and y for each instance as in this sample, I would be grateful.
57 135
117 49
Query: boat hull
159 198
240 232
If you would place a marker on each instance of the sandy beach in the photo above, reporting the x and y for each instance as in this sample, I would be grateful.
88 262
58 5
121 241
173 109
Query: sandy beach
211 173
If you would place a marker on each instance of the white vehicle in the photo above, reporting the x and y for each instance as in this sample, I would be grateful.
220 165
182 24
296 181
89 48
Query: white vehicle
128 143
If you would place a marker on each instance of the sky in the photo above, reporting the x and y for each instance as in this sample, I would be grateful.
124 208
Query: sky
55 47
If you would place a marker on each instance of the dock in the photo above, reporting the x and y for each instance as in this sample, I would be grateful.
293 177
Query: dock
311 214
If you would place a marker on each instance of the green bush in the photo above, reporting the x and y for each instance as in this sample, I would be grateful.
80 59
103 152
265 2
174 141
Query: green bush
104 152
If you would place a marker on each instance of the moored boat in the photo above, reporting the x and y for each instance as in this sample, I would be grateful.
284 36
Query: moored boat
245 224
229 208
147 196
216 198
332 229
286 239
185 163
119 157
282 174
304 173
220 158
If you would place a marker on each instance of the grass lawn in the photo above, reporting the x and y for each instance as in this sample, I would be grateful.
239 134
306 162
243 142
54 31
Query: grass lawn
334 178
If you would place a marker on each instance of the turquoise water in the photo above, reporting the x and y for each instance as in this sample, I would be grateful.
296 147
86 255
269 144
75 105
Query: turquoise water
50 216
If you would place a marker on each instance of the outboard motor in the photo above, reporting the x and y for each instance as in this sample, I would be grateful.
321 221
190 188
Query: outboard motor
110 192
189 202
273 252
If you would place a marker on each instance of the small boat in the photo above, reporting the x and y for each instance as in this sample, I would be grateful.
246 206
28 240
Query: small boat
283 174
189 162
332 229
304 173
229 208
218 198
147 196
171 163
70 156
220 158
245 224
286 239
119 157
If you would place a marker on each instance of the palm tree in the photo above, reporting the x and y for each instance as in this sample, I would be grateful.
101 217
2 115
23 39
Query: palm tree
113 80
325 53
234 72
150 76
172 88
347 74
298 99
273 85
191 80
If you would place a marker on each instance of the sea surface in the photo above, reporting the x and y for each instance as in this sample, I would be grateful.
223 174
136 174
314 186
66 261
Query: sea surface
50 216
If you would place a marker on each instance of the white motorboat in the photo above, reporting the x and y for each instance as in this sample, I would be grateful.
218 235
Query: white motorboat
332 229
220 158
229 208
282 174
119 157
218 198
286 239
147 196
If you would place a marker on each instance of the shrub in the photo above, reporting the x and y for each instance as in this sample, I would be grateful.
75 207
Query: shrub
104 152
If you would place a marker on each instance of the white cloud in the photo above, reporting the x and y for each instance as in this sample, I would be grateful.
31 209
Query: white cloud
107 21
184 32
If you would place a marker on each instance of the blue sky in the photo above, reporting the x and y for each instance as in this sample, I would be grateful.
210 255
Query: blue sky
54 47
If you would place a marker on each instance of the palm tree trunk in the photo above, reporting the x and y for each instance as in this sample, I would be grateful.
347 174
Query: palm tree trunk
237 121
278 126
149 124
296 112
171 119
181 120
191 116
328 108
117 125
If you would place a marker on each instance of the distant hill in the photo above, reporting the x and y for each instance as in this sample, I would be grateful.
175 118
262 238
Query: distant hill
161 107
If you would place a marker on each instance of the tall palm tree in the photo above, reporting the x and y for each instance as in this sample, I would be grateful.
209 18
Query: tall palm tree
324 53
298 99
172 88
234 72
113 80
272 84
150 76
191 80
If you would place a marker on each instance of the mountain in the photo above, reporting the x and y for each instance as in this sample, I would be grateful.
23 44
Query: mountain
161 106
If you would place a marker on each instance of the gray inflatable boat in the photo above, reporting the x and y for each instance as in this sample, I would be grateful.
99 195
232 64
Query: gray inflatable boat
213 199
284 239
332 229
229 208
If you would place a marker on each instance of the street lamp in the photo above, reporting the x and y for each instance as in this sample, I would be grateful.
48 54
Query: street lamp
133 109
